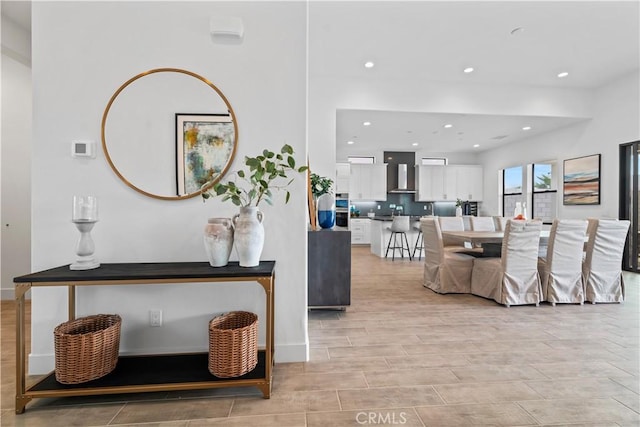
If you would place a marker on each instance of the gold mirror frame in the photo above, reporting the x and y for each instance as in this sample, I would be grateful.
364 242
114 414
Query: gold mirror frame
167 70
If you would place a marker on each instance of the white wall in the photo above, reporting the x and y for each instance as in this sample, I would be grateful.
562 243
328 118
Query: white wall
76 68
15 215
615 120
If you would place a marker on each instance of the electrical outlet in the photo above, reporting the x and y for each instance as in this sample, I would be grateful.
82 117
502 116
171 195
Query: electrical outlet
425 207
378 206
155 317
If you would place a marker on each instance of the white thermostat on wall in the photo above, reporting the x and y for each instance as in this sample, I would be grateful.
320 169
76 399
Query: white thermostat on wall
83 149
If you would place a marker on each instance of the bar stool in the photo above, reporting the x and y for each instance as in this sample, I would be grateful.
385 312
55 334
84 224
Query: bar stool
400 226
419 243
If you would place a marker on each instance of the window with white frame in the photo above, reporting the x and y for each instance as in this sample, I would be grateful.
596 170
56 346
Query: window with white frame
431 161
368 160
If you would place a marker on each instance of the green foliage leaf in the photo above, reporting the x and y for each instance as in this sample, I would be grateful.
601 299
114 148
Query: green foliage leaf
265 172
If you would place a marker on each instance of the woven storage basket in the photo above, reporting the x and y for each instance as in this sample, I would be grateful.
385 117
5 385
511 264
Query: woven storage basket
233 344
86 348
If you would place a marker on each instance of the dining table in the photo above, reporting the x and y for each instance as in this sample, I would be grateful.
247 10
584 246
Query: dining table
480 237
490 241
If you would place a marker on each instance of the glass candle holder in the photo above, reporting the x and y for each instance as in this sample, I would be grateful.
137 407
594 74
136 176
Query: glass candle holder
85 209
84 215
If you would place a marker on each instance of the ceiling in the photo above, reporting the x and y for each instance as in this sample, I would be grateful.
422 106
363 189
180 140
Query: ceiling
413 41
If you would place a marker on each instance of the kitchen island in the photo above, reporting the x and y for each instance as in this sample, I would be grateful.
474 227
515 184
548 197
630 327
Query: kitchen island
380 234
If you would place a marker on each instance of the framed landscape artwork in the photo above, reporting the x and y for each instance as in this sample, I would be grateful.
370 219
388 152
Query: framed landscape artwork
205 145
581 181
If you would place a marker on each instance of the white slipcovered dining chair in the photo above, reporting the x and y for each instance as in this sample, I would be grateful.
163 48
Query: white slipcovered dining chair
513 278
500 222
602 266
452 223
466 221
444 271
561 270
482 223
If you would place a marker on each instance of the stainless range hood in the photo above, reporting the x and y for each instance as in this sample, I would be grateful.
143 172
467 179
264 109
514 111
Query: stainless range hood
402 180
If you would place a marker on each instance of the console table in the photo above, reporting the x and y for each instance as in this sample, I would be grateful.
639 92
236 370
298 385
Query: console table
164 372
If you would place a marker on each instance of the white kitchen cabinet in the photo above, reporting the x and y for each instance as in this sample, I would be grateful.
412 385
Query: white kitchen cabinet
469 180
368 182
360 231
343 173
448 183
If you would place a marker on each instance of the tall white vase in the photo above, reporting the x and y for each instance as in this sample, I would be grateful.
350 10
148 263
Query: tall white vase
249 236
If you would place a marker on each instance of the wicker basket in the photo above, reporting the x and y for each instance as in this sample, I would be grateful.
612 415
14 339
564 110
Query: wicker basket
233 344
86 348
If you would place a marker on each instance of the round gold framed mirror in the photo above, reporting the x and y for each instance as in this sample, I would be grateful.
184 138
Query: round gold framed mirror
167 134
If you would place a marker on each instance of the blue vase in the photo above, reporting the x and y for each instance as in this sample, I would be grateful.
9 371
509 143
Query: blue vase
326 210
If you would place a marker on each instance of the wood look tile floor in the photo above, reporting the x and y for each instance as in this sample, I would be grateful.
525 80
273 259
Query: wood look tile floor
403 355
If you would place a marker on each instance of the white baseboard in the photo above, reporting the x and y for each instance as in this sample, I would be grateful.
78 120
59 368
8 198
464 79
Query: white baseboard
40 364
286 353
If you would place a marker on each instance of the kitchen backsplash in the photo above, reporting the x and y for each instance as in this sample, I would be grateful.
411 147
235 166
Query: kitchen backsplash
409 206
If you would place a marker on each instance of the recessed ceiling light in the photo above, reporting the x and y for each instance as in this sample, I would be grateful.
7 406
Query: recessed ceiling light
415 144
563 74
526 128
517 30
468 70
350 142
366 124
369 64
448 125
476 145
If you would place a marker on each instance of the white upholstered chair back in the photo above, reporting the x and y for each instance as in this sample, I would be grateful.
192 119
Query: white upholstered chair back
466 222
450 223
433 243
482 223
520 249
500 222
444 271
602 265
561 272
513 278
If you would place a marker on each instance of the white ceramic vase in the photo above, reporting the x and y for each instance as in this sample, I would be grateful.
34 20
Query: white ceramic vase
458 211
249 235
218 241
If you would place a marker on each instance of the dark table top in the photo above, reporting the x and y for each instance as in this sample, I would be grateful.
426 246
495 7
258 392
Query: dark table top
148 271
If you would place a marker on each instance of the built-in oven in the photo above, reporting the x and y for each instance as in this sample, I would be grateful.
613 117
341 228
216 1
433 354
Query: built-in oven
342 218
342 210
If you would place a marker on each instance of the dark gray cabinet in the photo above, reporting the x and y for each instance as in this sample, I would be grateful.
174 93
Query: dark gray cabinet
329 268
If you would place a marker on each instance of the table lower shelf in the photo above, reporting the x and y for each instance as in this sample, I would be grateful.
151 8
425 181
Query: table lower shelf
154 373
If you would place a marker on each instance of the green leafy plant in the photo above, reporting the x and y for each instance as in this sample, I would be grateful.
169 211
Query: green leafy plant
320 185
459 203
267 172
